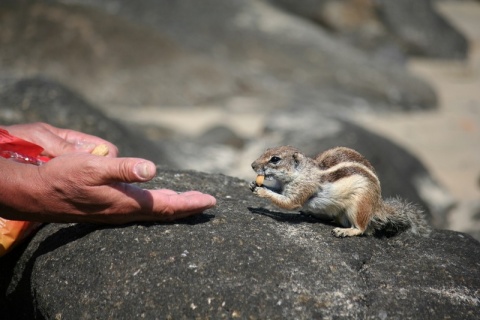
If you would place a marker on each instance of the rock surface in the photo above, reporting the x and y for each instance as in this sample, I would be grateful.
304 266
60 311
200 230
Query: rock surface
188 53
312 132
219 150
123 53
238 260
421 30
42 100
387 29
244 258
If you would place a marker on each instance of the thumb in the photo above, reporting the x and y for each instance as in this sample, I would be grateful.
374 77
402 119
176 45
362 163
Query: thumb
128 169
145 170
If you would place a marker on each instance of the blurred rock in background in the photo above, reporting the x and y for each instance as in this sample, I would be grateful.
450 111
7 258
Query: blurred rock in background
207 85
187 53
390 30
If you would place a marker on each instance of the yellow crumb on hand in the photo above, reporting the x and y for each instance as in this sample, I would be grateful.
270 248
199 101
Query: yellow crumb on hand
100 150
259 180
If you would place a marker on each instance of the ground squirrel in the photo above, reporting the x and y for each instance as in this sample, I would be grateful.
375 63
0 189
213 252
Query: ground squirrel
339 184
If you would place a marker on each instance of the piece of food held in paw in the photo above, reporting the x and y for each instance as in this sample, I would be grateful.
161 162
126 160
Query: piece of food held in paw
259 180
268 182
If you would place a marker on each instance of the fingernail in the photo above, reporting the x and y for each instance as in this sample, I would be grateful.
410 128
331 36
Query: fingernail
213 201
144 170
85 146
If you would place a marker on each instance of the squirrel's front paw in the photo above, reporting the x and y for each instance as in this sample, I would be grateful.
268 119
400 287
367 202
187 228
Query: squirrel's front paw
258 191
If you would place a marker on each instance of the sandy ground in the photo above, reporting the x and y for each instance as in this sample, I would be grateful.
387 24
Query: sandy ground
447 140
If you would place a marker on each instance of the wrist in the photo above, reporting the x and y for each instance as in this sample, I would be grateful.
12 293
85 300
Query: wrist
20 192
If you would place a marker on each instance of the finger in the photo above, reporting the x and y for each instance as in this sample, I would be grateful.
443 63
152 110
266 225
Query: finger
85 142
175 204
156 205
124 169
47 137
98 171
167 191
171 192
192 192
91 144
55 146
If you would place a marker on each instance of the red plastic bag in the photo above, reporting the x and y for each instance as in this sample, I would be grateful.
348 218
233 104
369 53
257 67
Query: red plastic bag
16 149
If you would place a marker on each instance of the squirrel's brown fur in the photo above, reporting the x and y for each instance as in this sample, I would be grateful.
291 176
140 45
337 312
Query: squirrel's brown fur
338 184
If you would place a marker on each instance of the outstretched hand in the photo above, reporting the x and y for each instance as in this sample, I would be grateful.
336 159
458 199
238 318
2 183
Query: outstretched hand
76 186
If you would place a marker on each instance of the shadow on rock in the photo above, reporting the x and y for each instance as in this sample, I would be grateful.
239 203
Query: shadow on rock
293 218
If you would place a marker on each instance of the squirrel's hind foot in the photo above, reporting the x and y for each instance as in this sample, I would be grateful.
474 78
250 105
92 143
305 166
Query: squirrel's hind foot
346 232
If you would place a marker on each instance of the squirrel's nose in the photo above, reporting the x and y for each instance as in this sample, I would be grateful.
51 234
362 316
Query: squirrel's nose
256 167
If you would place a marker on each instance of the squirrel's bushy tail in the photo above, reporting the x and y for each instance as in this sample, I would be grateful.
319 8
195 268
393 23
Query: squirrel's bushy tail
398 215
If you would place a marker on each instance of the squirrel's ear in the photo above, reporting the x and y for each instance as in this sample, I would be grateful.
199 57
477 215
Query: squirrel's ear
297 156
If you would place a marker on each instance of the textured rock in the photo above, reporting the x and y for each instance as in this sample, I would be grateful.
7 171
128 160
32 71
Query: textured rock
103 56
243 258
183 53
400 172
37 99
32 100
238 260
421 30
385 28
353 21
222 135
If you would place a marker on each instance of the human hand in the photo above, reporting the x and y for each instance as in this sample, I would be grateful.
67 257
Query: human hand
76 186
56 141
86 188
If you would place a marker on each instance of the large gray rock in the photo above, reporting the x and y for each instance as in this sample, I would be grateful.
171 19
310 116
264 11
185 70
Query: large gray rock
188 52
421 30
32 100
401 173
314 131
385 28
355 22
103 56
37 99
238 260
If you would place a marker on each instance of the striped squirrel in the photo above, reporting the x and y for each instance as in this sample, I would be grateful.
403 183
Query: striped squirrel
339 184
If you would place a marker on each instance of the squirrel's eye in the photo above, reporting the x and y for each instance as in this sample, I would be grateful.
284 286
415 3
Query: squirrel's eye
274 159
